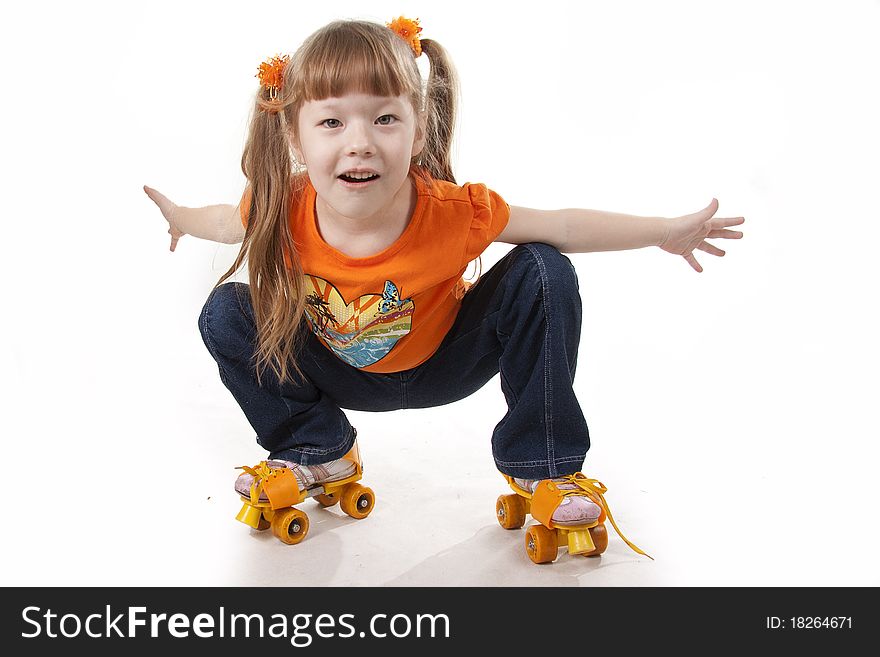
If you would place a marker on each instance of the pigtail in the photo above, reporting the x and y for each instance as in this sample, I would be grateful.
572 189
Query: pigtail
441 106
275 279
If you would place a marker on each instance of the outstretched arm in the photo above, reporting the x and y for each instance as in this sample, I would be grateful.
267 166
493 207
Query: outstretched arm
582 231
218 223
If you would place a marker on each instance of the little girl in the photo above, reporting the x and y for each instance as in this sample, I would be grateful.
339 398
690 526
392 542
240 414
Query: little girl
357 236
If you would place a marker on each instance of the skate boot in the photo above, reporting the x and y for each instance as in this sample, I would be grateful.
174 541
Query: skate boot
571 511
271 489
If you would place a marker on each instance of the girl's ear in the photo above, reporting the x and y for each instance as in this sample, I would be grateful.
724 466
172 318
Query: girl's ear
421 135
294 146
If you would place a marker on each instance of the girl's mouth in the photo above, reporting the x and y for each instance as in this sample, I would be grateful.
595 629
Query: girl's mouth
350 181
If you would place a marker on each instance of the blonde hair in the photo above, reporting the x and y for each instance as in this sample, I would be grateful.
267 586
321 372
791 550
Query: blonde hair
342 57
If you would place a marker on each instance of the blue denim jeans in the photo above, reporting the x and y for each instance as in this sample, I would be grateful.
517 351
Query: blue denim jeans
522 318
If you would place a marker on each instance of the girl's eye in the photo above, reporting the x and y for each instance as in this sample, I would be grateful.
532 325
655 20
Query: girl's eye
326 123
381 120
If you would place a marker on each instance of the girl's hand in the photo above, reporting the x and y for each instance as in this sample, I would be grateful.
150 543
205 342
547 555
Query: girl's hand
690 232
167 207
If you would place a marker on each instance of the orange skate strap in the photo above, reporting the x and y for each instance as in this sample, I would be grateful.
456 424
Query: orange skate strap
354 456
547 497
279 484
516 488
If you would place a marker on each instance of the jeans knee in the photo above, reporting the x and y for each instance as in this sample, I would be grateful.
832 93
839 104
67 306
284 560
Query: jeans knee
553 268
224 314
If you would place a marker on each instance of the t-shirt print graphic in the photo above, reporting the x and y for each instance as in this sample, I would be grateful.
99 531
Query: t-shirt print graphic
360 332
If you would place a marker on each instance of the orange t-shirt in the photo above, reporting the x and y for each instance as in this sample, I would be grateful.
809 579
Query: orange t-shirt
390 311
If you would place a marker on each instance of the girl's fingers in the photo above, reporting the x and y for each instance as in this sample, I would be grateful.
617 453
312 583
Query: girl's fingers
728 234
164 203
716 228
709 248
692 261
721 222
174 237
152 193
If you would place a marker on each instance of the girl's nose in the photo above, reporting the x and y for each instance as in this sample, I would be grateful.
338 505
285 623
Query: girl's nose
359 142
360 147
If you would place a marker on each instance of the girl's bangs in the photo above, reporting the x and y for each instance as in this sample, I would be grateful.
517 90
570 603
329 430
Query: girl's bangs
360 67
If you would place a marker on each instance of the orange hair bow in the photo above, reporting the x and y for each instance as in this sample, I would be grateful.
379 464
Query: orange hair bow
407 29
271 74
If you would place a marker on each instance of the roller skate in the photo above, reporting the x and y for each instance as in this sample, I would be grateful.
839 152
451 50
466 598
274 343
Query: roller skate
274 493
585 537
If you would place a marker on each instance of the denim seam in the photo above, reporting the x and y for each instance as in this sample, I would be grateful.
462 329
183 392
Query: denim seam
520 464
208 340
548 388
317 451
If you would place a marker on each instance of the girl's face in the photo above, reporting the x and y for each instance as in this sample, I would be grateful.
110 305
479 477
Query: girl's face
358 135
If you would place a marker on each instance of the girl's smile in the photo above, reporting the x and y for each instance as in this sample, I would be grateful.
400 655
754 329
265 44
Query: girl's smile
358 178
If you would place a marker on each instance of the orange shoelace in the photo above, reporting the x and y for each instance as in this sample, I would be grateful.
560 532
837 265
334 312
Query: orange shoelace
260 473
595 489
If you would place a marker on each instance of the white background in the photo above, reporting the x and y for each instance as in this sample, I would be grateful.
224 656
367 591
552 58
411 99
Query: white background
732 412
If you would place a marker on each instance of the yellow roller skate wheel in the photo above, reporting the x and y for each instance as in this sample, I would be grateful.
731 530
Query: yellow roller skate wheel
357 501
600 540
290 525
510 511
541 544
327 500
